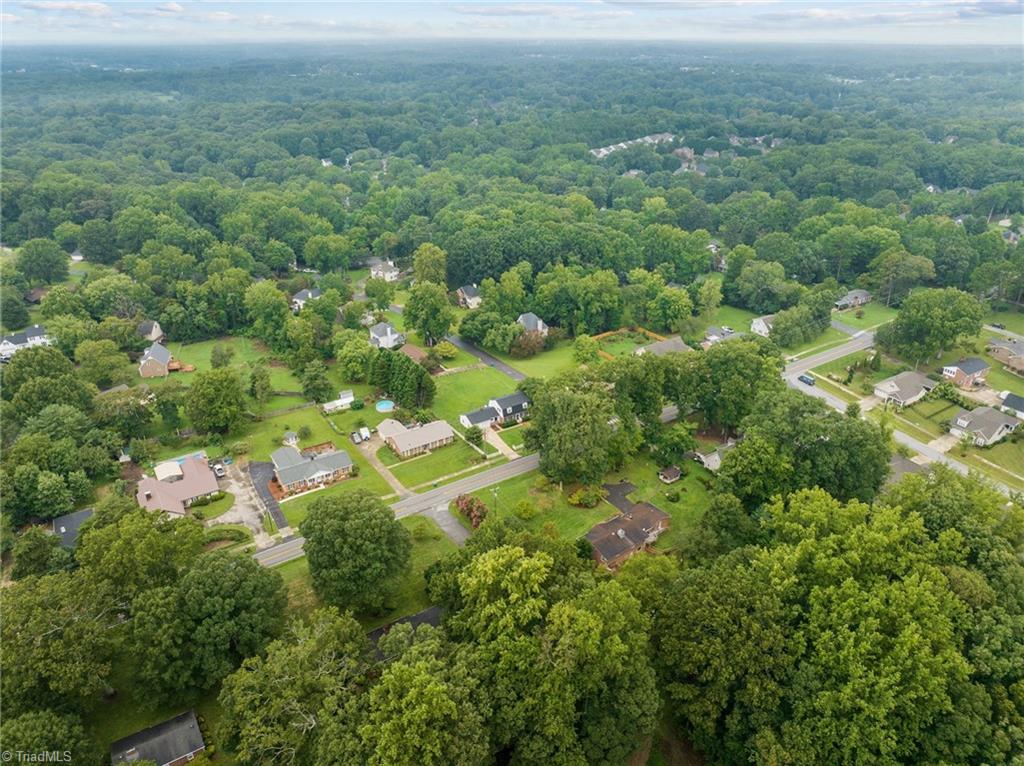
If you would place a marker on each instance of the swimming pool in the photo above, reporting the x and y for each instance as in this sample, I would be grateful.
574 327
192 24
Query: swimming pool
385 405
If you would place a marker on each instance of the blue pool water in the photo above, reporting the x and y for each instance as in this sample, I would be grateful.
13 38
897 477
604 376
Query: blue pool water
385 405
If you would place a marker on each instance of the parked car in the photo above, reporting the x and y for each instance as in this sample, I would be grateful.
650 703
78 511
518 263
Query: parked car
806 379
219 472
356 438
998 326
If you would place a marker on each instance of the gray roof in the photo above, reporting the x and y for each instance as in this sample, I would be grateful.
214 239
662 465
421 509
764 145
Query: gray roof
22 337
146 326
906 385
1014 402
66 527
158 352
470 291
667 346
970 365
985 420
531 322
164 743
414 438
383 329
293 466
857 294
308 295
482 415
515 400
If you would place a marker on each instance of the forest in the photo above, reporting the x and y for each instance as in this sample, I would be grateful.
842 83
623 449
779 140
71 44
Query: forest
816 610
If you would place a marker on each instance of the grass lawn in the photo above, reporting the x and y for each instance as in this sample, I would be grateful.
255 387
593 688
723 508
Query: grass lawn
513 437
396 319
836 390
493 462
429 544
468 390
929 415
1013 320
571 522
694 497
1004 462
873 314
623 343
864 379
267 435
295 510
831 337
131 709
440 462
545 364
730 316
217 507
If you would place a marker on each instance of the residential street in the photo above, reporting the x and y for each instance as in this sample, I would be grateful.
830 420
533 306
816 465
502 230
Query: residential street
486 358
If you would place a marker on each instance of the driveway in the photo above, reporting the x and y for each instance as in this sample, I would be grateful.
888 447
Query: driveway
369 449
486 358
843 327
247 508
617 495
261 474
450 525
491 437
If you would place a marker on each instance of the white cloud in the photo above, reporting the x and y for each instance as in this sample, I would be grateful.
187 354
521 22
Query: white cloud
515 9
9 18
170 8
70 7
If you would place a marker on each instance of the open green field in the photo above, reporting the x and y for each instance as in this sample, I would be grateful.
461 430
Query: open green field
552 506
1013 320
441 462
545 364
429 544
864 379
468 390
623 343
872 315
831 337
685 512
730 316
1003 461
267 435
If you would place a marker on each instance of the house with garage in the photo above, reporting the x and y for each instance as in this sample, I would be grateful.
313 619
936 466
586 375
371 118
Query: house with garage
617 539
1008 351
386 270
530 322
302 297
673 345
299 470
712 458
967 373
406 442
484 417
174 742
763 325
853 299
155 362
469 296
512 408
984 425
384 335
176 485
343 402
905 388
67 527
149 329
1012 404
28 338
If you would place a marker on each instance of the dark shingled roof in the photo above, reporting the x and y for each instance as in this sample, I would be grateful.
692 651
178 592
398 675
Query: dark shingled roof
66 527
164 743
482 415
971 365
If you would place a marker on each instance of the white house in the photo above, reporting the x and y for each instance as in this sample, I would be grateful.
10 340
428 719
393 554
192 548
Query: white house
904 389
302 297
984 425
1012 403
469 296
343 402
502 409
27 338
385 270
384 335
532 323
763 325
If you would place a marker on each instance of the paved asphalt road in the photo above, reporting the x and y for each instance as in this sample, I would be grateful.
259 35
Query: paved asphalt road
424 502
486 358
1018 336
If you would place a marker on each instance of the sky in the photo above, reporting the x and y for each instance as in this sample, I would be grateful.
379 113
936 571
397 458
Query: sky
172 22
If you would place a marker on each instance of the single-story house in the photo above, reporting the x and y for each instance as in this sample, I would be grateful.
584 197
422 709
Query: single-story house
1010 352
28 338
1012 403
406 442
297 471
662 347
985 425
150 330
344 401
177 484
763 325
385 270
905 388
469 296
155 362
415 353
853 299
617 539
514 406
302 297
481 418
66 527
967 372
384 335
712 459
530 322
670 475
174 742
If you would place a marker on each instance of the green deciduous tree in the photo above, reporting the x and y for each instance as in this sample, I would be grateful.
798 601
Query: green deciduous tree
931 321
429 312
43 260
215 401
430 264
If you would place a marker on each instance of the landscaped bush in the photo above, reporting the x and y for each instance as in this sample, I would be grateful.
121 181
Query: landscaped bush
527 344
218 533
424 530
472 508
358 404
241 447
446 350
525 510
588 496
